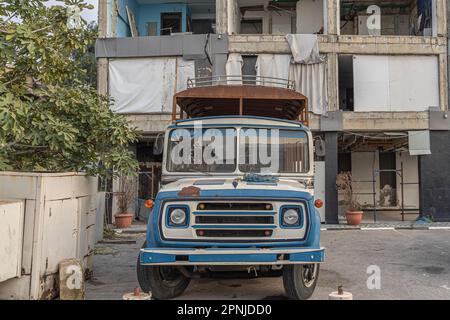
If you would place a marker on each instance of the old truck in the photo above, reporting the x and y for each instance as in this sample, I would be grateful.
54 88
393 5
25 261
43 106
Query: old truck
237 190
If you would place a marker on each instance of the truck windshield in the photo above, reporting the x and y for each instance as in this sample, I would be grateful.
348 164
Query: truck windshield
273 151
202 150
260 150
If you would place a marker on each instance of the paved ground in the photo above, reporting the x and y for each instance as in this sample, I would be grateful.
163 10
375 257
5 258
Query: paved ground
414 264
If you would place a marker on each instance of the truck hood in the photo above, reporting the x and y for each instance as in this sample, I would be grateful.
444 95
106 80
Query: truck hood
236 183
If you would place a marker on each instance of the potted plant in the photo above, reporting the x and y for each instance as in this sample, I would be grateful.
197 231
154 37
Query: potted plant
353 212
125 196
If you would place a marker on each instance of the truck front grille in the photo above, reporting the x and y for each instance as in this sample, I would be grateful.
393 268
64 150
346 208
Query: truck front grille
235 206
226 233
212 219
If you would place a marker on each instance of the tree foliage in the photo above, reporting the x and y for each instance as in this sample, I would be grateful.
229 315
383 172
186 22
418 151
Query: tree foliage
51 117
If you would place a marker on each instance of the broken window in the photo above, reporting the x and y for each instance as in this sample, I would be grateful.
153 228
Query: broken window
277 17
401 17
155 18
346 93
203 26
249 69
170 23
251 26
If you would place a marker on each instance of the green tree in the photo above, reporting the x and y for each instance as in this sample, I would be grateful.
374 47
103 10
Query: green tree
51 116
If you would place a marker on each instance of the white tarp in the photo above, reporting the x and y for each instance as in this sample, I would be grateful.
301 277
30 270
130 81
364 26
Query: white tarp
311 81
234 68
304 48
394 83
147 85
419 142
309 71
274 66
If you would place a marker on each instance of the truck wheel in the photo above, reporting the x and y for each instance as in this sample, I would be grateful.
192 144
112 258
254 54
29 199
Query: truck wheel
164 282
300 280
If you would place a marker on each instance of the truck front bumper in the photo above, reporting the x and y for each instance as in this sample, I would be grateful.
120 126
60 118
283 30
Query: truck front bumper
226 256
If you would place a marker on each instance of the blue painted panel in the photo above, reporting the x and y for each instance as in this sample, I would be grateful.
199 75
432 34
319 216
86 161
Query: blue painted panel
122 23
152 13
313 232
317 256
215 256
261 257
146 257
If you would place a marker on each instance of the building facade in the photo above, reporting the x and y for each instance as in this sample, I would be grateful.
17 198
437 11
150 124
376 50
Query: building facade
378 89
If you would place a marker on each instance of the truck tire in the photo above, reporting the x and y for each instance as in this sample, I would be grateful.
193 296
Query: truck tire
164 282
299 280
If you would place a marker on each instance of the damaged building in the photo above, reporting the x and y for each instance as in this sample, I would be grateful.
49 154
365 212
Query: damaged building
376 78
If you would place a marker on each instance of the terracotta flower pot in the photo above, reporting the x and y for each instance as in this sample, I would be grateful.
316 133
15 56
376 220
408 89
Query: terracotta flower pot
123 220
354 217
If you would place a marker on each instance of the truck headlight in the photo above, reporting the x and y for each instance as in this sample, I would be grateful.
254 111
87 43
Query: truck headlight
290 217
177 217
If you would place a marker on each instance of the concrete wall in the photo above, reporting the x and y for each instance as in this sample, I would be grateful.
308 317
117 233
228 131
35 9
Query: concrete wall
310 14
434 177
394 83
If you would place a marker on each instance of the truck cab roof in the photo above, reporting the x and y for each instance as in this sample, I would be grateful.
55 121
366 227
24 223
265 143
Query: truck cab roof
215 121
263 97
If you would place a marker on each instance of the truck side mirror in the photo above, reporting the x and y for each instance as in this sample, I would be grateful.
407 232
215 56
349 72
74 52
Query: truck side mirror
158 146
319 146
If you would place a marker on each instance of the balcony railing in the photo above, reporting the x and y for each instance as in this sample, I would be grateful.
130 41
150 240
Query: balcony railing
240 80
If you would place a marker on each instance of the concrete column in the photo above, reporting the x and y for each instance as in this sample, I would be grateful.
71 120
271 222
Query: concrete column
102 76
443 82
434 173
448 53
221 16
219 64
333 14
102 18
331 171
333 81
441 16
102 63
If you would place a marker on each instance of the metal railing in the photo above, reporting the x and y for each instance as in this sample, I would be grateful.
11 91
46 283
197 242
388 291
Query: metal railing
240 80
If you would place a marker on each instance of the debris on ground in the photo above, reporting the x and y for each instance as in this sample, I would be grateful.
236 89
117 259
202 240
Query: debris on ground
100 250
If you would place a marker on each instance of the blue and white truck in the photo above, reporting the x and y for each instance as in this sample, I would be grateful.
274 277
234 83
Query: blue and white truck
237 191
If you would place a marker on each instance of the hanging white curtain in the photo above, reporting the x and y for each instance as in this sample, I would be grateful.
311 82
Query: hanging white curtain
309 71
304 48
311 81
273 66
234 68
147 85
